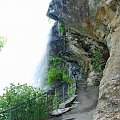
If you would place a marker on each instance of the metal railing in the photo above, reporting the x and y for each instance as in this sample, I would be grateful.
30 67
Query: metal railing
38 108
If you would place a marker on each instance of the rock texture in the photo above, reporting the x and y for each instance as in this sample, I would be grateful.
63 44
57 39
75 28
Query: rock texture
56 47
93 79
109 94
93 24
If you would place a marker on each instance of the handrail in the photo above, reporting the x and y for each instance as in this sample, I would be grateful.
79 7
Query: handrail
49 102
22 103
41 95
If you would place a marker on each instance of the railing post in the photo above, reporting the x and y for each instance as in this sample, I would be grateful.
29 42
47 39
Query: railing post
68 93
47 104
55 102
72 89
10 113
63 94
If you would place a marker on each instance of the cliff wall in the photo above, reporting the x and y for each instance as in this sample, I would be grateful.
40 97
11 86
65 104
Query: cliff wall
93 31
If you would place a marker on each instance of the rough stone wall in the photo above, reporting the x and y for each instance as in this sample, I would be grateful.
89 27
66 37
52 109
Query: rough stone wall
108 107
56 47
76 54
78 50
100 21
78 15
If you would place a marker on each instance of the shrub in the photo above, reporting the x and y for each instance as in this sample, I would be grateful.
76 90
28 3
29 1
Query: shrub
2 41
98 61
62 28
27 103
56 75
54 61
67 79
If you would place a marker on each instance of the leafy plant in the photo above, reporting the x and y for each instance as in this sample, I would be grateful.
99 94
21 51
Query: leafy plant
54 61
56 75
98 61
28 102
2 42
69 91
66 78
62 28
55 101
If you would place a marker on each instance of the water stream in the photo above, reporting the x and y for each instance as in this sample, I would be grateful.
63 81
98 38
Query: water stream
26 27
41 70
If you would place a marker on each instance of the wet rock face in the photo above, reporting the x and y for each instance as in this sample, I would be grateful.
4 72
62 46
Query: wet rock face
73 70
58 48
76 51
56 42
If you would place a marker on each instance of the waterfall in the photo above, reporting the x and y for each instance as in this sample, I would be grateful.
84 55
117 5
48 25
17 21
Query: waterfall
41 70
26 26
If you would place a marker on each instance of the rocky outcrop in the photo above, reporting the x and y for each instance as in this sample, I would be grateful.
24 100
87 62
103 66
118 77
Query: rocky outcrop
93 79
56 47
93 25
109 93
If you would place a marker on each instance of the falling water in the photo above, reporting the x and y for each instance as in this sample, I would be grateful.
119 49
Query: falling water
24 57
41 70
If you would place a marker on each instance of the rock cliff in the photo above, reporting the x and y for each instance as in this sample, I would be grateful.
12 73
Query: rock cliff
91 44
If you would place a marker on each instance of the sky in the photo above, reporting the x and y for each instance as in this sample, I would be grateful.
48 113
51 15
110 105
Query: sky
26 27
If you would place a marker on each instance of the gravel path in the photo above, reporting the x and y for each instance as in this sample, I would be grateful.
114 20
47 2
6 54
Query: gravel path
84 110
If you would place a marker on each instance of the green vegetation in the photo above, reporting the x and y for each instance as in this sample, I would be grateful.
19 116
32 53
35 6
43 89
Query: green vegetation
54 61
55 101
27 103
56 75
70 91
30 103
98 61
66 78
62 28
2 42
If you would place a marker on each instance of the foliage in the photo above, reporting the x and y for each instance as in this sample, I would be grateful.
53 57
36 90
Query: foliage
62 28
55 61
57 75
53 74
55 101
26 101
98 61
2 42
71 90
66 78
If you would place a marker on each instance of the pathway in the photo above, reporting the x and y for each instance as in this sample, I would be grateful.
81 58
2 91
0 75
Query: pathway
85 104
